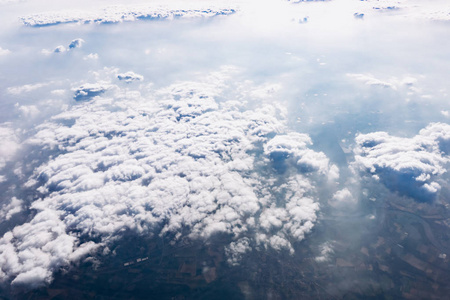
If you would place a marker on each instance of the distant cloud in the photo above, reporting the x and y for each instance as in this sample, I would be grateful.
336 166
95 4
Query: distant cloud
10 144
60 49
27 111
130 77
370 80
4 52
77 43
13 207
118 14
9 1
407 9
89 90
343 199
326 250
155 166
410 166
91 56
17 90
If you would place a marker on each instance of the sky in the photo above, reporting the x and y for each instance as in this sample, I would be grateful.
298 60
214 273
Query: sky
189 120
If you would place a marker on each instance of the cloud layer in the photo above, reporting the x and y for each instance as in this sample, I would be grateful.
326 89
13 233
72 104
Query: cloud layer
118 14
180 164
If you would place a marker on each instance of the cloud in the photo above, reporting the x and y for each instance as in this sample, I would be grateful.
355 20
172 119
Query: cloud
236 250
93 56
179 161
10 144
4 52
17 90
3 2
119 14
60 49
410 166
76 43
435 11
27 111
343 199
13 207
292 148
90 90
370 80
129 77
326 250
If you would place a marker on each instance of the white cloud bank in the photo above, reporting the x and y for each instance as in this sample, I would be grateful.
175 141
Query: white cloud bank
178 164
410 166
438 10
119 14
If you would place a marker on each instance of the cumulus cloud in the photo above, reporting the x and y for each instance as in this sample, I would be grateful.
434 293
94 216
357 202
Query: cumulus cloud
236 250
13 207
410 166
28 111
60 49
179 162
90 90
92 56
326 250
292 148
343 198
10 144
76 43
129 77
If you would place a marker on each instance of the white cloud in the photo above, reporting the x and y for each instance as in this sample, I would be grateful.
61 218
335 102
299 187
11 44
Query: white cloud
13 207
293 147
343 199
410 166
89 90
326 250
28 111
236 250
129 77
10 144
60 49
428 10
76 43
4 52
371 80
9 1
17 90
156 165
92 56
118 14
